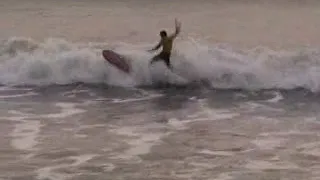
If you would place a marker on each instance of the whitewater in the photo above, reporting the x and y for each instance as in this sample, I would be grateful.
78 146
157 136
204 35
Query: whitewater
57 61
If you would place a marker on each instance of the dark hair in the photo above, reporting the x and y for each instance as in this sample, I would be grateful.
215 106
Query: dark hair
163 33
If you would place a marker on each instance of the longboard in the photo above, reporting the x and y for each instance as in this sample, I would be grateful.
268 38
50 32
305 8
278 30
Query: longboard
116 60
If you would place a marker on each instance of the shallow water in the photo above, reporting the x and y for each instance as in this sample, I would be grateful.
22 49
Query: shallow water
81 132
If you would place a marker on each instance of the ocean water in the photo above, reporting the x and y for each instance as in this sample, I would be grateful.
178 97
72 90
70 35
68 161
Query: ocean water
241 103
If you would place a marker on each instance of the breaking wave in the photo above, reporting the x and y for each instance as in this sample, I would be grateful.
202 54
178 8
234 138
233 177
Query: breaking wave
27 62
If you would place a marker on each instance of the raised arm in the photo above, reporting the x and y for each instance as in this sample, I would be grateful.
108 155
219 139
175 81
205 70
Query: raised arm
178 28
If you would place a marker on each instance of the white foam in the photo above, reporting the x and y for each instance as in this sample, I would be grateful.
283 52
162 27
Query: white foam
206 114
128 131
9 88
278 97
265 165
275 158
216 153
269 143
313 152
240 95
74 91
205 165
315 171
15 112
92 126
142 145
259 165
47 174
253 106
18 95
216 114
140 141
109 167
309 145
81 159
67 109
26 131
310 148
49 171
288 133
177 124
80 135
25 134
136 99
14 118
312 119
224 176
60 62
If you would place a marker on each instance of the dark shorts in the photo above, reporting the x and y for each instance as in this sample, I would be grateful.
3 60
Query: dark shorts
163 56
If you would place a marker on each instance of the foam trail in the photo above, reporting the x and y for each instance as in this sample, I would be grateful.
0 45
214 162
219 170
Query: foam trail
54 61
25 133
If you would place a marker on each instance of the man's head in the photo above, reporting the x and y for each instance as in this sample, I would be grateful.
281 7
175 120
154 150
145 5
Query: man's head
163 33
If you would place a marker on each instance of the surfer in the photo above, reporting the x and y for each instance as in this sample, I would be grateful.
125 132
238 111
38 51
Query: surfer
166 43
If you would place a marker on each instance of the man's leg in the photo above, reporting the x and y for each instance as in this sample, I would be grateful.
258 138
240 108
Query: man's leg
155 59
167 62
166 59
162 57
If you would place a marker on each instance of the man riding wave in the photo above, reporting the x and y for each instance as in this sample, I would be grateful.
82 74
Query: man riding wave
166 43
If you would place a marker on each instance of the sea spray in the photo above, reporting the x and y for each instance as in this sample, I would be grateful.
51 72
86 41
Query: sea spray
54 61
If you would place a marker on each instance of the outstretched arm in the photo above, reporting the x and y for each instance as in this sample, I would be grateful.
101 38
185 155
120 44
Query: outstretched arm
178 28
157 46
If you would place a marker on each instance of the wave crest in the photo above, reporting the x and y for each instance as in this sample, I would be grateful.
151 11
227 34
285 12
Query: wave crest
55 61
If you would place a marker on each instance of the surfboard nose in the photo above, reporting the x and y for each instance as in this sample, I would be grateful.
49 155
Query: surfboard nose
116 59
106 52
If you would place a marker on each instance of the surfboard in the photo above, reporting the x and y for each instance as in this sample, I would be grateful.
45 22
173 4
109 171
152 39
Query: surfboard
116 60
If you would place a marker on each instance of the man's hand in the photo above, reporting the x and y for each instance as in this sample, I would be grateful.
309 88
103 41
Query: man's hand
156 47
178 25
